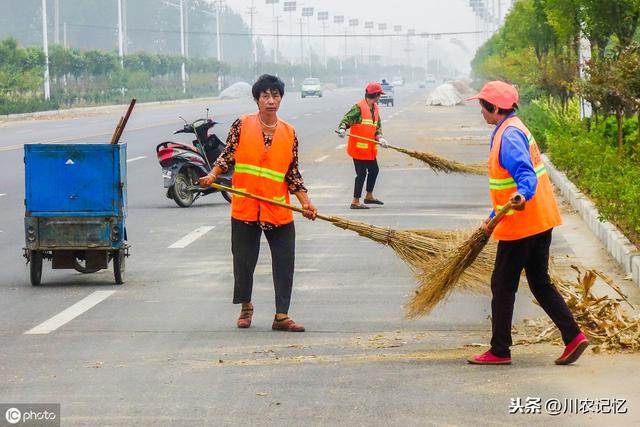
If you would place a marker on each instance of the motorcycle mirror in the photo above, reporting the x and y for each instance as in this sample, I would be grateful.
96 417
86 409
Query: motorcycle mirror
207 113
185 122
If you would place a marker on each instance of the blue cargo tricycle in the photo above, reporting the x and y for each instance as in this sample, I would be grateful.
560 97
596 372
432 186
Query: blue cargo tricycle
75 207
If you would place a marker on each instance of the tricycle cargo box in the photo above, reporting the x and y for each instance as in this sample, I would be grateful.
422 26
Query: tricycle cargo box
75 179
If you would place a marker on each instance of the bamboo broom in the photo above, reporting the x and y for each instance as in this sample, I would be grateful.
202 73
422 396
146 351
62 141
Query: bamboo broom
437 163
435 286
413 248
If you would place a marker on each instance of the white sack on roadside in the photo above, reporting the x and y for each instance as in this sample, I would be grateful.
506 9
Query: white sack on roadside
446 95
236 91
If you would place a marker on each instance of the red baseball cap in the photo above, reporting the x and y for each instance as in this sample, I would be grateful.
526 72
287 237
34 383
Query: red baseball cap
374 88
500 94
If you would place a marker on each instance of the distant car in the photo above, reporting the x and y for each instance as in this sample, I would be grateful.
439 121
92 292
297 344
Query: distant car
387 98
430 78
311 87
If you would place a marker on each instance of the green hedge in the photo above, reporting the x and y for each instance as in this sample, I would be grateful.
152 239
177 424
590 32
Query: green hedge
589 159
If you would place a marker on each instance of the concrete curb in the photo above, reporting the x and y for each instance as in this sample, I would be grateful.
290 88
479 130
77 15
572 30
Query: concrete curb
625 252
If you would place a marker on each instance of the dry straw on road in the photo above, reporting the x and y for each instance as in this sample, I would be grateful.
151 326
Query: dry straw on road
603 319
437 163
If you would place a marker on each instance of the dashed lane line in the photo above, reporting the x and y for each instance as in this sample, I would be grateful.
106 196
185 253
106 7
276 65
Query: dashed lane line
70 313
3 194
321 159
192 237
136 158
341 146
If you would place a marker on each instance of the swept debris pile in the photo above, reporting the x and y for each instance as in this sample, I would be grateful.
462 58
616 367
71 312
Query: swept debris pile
603 319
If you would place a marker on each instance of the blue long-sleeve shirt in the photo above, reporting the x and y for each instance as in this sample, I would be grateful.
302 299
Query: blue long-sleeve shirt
515 158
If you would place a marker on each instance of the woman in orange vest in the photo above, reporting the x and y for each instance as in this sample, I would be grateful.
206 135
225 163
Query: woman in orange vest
517 175
264 150
364 121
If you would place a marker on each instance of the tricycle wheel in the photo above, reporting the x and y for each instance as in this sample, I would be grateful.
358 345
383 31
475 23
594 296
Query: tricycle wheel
181 193
35 267
118 266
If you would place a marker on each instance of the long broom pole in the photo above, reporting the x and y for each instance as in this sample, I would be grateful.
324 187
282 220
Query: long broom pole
273 202
437 163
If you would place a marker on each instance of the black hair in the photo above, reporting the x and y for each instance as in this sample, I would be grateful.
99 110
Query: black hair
371 95
267 83
503 111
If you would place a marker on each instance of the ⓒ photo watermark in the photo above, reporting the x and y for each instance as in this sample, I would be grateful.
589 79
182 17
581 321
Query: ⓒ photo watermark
30 414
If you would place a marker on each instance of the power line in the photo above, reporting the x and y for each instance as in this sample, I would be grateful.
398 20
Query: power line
341 36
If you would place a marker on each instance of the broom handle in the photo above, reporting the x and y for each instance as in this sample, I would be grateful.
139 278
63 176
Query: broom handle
501 213
369 140
264 199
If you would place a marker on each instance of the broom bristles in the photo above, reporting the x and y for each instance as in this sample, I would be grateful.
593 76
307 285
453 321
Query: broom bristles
440 164
436 286
423 250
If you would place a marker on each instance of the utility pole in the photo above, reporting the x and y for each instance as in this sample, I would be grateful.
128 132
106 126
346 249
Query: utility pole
65 40
219 42
45 48
369 26
125 37
307 12
56 21
278 19
323 17
275 30
183 70
254 51
353 23
290 6
301 23
120 38
339 19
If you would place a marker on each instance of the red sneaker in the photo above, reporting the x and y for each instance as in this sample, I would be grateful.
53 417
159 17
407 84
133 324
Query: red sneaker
489 358
287 324
573 350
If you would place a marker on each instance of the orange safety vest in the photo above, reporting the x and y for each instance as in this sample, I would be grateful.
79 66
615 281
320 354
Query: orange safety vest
359 148
540 212
262 172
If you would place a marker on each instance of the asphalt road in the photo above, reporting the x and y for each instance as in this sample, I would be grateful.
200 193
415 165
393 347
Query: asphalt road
163 348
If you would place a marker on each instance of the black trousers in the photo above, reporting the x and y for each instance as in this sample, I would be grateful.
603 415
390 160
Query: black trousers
532 255
245 246
365 169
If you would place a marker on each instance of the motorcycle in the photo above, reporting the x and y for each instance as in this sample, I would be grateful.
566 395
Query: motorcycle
183 164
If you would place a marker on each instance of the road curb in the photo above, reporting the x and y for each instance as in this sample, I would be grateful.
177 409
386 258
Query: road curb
620 248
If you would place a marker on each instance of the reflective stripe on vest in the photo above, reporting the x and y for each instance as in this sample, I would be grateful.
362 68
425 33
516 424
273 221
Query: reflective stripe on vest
358 148
258 171
541 211
262 172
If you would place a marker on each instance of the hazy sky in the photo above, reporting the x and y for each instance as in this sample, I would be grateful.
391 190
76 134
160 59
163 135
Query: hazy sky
429 16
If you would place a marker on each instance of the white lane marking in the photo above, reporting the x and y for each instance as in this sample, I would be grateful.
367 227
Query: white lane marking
321 159
192 237
308 115
341 146
294 118
3 194
70 313
136 158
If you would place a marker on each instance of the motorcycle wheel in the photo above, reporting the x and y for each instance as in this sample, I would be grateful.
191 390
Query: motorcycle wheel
226 196
181 194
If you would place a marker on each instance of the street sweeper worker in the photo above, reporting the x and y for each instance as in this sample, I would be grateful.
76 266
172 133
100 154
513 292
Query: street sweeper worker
517 175
264 150
364 120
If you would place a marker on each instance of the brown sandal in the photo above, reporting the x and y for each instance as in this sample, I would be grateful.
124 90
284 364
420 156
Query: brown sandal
286 324
244 320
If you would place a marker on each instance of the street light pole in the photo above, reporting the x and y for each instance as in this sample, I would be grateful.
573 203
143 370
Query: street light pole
219 44
183 70
45 48
120 38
